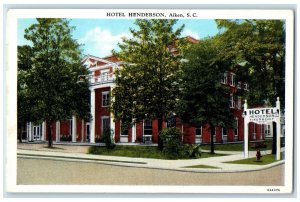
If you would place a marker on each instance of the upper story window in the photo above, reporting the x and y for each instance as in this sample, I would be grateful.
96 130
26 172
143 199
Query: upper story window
105 98
239 102
239 85
231 101
232 80
104 75
224 79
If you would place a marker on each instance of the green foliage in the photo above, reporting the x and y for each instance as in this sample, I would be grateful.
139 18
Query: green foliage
147 86
107 138
204 100
265 160
48 73
139 152
171 138
191 151
258 46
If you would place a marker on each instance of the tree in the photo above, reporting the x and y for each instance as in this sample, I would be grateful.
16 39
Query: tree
23 99
259 45
51 82
204 100
147 87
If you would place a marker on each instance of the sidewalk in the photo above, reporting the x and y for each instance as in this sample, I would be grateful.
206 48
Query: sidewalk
79 153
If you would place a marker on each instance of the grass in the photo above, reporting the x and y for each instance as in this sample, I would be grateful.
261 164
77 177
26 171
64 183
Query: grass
265 160
137 152
202 166
237 146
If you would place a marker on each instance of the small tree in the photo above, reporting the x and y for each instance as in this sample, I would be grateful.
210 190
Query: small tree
171 138
203 98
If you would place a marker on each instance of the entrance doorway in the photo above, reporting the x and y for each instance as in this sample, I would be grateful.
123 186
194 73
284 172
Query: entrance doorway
87 132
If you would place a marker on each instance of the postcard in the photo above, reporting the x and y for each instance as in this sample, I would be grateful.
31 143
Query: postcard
149 101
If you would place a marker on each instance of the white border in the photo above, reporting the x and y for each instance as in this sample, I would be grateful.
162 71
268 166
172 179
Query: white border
11 72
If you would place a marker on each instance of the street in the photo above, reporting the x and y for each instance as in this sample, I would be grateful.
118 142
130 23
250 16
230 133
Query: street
31 171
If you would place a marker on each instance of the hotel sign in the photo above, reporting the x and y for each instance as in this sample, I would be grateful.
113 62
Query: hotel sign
262 115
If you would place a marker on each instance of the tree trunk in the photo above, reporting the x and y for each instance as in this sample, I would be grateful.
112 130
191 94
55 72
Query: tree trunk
212 133
50 139
20 131
274 149
160 141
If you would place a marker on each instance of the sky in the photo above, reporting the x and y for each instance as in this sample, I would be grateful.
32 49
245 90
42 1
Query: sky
100 36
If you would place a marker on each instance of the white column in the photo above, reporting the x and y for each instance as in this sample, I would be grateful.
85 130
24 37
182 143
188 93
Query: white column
133 133
112 122
82 130
74 128
246 153
43 131
92 122
278 130
57 132
30 132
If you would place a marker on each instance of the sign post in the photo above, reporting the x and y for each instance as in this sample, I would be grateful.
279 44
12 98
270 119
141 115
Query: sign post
262 116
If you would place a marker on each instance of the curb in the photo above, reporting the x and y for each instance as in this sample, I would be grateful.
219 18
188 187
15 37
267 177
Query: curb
141 164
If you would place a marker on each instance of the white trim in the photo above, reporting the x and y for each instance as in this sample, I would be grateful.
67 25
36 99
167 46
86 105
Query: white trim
93 115
57 132
74 128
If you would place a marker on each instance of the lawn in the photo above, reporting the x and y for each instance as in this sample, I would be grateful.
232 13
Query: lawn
266 159
137 152
237 146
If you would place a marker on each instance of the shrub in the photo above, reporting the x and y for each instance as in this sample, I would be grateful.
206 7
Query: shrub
191 151
108 139
170 138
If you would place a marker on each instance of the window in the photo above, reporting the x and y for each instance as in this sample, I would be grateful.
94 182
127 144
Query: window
267 130
224 79
198 131
104 75
239 102
171 122
246 86
105 123
124 131
147 127
105 99
224 131
254 131
236 131
232 80
231 101
239 85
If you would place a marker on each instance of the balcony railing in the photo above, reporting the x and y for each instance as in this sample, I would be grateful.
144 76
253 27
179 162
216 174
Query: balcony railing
101 79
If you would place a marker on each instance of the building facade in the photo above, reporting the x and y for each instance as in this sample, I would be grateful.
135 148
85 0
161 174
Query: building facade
102 81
